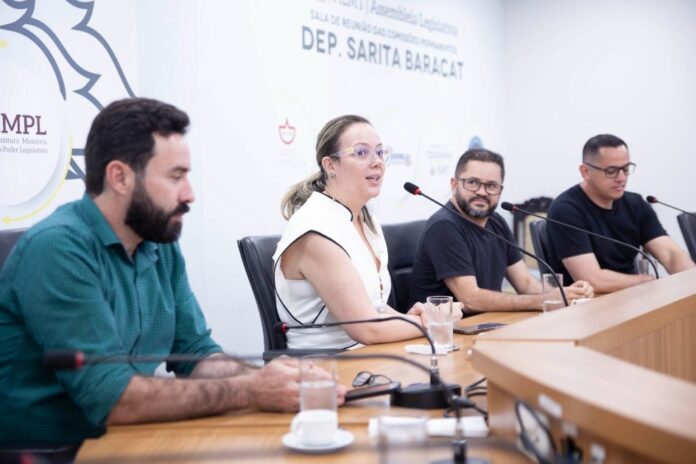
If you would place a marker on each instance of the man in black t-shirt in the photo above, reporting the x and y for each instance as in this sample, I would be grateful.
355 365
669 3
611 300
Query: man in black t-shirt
601 204
456 257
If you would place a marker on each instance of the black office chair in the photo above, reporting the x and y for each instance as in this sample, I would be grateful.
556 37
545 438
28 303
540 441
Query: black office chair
8 238
257 257
687 224
402 241
540 240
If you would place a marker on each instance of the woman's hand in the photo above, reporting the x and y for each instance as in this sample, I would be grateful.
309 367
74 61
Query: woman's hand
419 310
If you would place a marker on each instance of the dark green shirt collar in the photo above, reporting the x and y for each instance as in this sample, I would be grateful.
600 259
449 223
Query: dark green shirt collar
102 229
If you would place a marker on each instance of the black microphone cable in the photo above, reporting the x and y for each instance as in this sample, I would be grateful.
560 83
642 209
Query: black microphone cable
283 327
652 200
512 208
424 396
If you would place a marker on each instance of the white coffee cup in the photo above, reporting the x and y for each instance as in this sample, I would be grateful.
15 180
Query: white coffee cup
315 427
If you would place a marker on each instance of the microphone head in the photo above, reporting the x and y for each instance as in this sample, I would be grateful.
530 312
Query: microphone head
507 206
651 199
64 360
412 188
280 327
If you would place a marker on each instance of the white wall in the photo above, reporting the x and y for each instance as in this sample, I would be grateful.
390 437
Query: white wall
576 69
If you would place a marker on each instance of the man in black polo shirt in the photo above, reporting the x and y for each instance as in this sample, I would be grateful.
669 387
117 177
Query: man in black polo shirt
456 258
601 204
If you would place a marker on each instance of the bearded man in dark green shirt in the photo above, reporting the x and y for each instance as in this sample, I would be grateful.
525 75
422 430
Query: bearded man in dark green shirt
104 275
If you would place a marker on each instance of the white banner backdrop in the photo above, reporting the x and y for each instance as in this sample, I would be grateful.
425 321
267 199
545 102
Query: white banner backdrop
261 78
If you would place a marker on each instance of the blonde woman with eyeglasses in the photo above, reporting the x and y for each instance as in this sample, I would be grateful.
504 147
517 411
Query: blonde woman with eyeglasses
331 262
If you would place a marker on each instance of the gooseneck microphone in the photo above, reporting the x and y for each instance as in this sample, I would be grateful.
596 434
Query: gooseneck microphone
433 395
71 360
512 208
652 200
415 190
283 327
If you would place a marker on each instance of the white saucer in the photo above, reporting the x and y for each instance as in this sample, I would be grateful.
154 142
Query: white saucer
427 350
343 439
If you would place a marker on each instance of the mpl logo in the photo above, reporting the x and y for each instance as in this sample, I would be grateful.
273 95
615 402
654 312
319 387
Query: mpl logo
21 124
286 132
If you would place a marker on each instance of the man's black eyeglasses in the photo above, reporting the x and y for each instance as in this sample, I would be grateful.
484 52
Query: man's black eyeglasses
472 184
613 171
364 378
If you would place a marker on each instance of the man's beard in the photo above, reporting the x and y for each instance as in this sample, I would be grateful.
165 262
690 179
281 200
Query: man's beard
151 222
475 212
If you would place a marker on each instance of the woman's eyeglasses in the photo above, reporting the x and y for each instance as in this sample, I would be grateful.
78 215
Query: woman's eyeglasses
365 154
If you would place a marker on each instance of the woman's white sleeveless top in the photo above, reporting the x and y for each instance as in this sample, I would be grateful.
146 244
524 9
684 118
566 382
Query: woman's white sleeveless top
298 302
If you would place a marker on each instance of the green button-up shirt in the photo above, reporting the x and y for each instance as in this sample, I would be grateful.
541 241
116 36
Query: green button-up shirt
69 284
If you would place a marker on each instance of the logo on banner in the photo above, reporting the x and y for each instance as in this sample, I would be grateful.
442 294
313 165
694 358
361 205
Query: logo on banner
289 151
286 132
439 157
400 159
42 101
34 144
475 142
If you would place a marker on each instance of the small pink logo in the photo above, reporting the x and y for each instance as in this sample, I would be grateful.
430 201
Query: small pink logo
286 132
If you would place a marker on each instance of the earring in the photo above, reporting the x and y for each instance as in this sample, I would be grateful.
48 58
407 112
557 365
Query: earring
332 174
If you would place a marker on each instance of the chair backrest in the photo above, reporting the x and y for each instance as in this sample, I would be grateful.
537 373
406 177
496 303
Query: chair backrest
540 241
402 241
257 257
8 238
687 224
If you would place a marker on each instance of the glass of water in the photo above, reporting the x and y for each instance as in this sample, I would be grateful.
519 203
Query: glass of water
317 383
552 295
440 322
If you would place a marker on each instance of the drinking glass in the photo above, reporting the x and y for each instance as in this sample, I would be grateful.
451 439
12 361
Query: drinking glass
317 383
317 422
552 296
440 323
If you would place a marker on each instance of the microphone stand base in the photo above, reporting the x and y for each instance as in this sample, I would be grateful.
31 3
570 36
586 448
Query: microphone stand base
424 396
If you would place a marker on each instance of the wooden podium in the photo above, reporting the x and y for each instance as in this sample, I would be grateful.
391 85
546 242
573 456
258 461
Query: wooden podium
616 374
